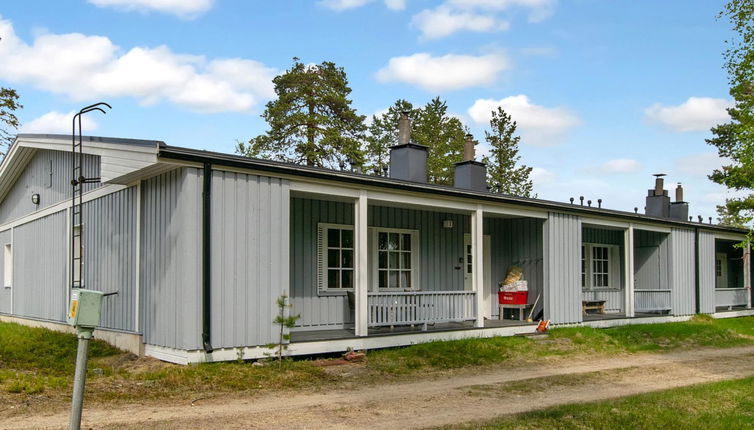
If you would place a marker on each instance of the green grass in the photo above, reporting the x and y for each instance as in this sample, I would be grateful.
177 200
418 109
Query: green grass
719 405
701 331
38 362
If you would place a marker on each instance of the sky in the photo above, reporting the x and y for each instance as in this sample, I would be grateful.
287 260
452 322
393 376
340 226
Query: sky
605 93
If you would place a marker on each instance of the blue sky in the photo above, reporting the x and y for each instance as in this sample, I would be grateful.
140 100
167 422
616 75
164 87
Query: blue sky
605 92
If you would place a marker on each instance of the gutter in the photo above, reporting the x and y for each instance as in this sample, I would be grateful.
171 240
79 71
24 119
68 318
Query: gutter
697 291
206 257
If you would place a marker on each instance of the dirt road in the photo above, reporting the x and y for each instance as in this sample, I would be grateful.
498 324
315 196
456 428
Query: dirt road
449 400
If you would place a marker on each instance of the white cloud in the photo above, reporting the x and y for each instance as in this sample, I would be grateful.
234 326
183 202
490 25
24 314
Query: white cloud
444 21
539 10
695 114
186 9
539 125
621 165
57 122
542 176
395 4
700 164
86 68
339 5
446 73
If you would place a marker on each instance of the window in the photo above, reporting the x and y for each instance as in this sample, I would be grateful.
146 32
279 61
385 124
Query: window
8 266
600 266
396 258
336 257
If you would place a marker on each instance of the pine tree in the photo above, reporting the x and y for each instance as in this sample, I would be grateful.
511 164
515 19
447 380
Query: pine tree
311 121
503 157
735 139
383 133
8 105
431 126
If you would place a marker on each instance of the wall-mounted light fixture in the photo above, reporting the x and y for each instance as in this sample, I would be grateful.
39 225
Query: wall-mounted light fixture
35 198
448 223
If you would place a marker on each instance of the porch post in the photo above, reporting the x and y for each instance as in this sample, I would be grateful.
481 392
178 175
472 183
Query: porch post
628 245
747 273
477 261
361 286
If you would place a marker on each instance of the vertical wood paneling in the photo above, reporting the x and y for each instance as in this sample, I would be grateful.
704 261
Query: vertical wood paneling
110 255
171 266
706 272
39 259
250 257
682 271
36 179
562 268
651 258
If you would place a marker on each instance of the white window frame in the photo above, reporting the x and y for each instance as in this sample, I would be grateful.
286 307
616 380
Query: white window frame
613 264
415 269
8 265
322 268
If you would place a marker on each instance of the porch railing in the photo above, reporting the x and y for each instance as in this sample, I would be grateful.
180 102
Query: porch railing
731 297
420 307
652 300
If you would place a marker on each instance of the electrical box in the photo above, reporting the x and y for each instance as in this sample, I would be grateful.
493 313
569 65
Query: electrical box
85 307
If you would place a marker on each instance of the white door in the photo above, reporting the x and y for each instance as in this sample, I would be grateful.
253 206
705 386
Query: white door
721 270
467 270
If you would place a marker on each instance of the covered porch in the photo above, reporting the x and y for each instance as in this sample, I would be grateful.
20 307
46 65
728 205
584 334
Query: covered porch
732 276
374 264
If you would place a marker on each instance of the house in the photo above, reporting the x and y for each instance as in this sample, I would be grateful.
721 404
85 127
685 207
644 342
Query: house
199 245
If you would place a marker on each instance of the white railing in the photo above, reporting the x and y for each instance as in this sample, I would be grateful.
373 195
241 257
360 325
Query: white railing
731 297
420 307
652 300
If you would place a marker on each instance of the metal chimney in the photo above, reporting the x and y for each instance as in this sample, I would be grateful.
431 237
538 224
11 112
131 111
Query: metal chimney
679 209
658 202
470 174
408 161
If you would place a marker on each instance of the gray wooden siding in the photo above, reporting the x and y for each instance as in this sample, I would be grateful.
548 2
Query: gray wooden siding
706 272
315 310
608 237
250 257
49 175
170 261
651 260
110 255
562 268
39 260
516 242
5 293
682 271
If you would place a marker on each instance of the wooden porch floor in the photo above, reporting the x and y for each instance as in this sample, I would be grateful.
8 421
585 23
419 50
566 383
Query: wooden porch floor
319 335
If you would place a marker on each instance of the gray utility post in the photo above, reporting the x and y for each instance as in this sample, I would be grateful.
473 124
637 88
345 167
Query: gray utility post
84 314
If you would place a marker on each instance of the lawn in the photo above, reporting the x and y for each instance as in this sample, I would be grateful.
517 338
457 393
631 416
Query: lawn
718 405
37 364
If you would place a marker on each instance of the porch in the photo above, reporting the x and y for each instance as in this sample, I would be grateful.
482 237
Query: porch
418 269
732 276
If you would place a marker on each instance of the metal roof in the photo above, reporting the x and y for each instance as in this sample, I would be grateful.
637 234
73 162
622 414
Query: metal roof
240 161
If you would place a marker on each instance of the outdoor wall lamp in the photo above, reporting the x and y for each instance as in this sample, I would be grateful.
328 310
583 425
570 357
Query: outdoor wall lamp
35 198
448 223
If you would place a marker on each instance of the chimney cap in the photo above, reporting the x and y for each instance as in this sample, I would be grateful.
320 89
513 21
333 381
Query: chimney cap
659 175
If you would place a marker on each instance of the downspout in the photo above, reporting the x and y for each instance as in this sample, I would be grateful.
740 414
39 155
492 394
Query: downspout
206 258
696 271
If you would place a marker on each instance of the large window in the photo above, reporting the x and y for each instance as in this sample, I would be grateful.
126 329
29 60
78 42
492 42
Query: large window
397 255
600 266
336 257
